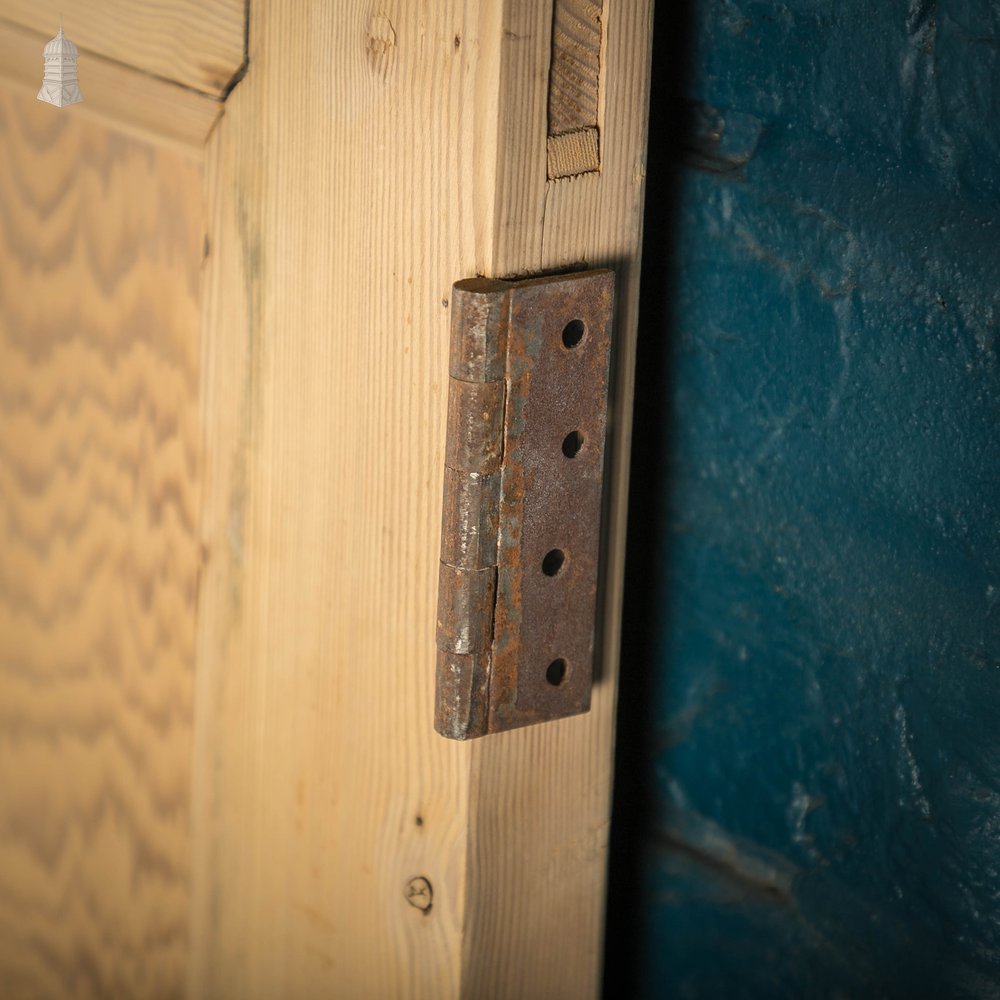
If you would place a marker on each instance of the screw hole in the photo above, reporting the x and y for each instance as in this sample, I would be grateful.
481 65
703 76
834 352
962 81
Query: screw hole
555 673
572 444
553 562
573 332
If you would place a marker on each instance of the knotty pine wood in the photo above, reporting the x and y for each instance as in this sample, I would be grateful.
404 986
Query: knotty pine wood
325 789
195 43
116 96
340 215
100 451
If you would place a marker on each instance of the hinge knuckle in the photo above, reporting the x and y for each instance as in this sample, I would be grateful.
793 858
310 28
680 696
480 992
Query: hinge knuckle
463 687
465 608
475 426
478 330
471 519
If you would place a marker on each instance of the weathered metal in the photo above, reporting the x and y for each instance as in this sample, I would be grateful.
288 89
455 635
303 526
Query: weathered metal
523 487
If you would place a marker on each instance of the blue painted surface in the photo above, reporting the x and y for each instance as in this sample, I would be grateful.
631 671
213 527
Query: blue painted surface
808 803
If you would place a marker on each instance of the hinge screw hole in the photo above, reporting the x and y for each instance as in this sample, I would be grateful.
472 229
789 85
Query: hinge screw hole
555 673
553 562
572 444
573 333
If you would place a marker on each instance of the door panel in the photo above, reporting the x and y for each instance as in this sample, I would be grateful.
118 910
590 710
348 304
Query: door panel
100 451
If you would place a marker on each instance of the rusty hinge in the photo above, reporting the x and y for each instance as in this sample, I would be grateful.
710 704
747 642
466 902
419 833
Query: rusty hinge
523 484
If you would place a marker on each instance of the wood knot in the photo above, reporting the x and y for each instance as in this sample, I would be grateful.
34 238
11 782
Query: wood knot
381 44
420 894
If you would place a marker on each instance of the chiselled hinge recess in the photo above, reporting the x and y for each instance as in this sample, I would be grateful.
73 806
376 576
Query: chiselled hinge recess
523 485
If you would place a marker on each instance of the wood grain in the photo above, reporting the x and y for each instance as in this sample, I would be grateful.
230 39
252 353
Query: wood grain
100 252
116 96
340 216
195 43
324 789
541 797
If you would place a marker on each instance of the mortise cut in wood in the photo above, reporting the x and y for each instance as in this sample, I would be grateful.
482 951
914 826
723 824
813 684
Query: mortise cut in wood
573 144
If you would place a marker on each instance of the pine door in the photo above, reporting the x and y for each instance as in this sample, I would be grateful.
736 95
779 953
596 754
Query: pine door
224 327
